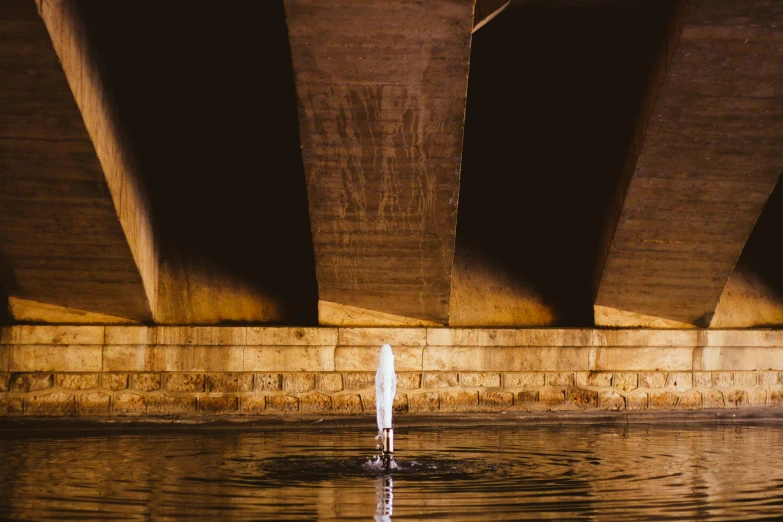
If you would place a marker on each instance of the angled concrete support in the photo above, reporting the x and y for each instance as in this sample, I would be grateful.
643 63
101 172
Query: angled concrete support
75 229
381 90
711 153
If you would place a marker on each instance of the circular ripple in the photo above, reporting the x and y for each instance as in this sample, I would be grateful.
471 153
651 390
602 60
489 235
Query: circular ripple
308 469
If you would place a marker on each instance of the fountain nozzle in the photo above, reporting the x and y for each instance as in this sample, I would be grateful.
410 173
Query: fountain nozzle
388 441
388 446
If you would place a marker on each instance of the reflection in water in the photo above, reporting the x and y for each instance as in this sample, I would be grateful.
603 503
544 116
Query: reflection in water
384 487
607 473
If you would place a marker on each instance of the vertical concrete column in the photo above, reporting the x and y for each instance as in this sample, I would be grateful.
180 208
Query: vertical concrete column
75 227
381 90
712 152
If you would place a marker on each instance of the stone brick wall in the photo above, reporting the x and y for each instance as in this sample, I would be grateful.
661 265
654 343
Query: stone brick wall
165 371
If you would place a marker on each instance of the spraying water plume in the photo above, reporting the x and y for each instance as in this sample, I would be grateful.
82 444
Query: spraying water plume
385 390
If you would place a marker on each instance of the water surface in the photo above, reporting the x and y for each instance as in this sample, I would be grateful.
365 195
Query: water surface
590 473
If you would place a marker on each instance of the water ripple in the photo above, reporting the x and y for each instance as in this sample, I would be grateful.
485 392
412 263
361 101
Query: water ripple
720 473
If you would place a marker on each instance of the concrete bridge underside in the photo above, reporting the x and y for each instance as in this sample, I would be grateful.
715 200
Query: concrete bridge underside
392 163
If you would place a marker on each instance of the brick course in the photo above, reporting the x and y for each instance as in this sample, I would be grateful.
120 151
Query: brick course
161 371
250 393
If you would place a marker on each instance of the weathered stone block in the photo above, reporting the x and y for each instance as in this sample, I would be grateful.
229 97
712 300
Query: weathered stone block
551 397
229 382
652 380
316 402
131 335
527 397
298 382
269 381
96 403
597 379
713 399
644 337
441 380
626 381
524 380
51 358
690 400
730 358
78 381
254 404
737 398
347 403
409 380
758 397
400 404
185 382
560 379
289 358
195 358
584 399
527 337
496 400
115 381
396 337
769 379
201 335
292 336
126 358
461 400
282 403
640 358
5 382
505 358
167 405
610 400
52 404
129 404
218 405
744 337
428 402
636 401
663 400
723 380
55 334
192 359
776 398
702 380
737 358
146 381
680 381
359 380
484 380
11 406
333 382
28 382
745 379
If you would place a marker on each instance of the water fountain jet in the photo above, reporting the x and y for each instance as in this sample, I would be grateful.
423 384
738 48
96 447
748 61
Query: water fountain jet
385 390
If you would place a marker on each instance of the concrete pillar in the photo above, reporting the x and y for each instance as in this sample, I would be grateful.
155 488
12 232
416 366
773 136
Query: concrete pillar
75 227
381 90
709 155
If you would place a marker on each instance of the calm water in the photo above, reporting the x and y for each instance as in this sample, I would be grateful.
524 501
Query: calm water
601 473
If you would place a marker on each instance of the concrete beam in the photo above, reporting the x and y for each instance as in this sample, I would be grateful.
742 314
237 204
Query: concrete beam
711 153
381 90
75 230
